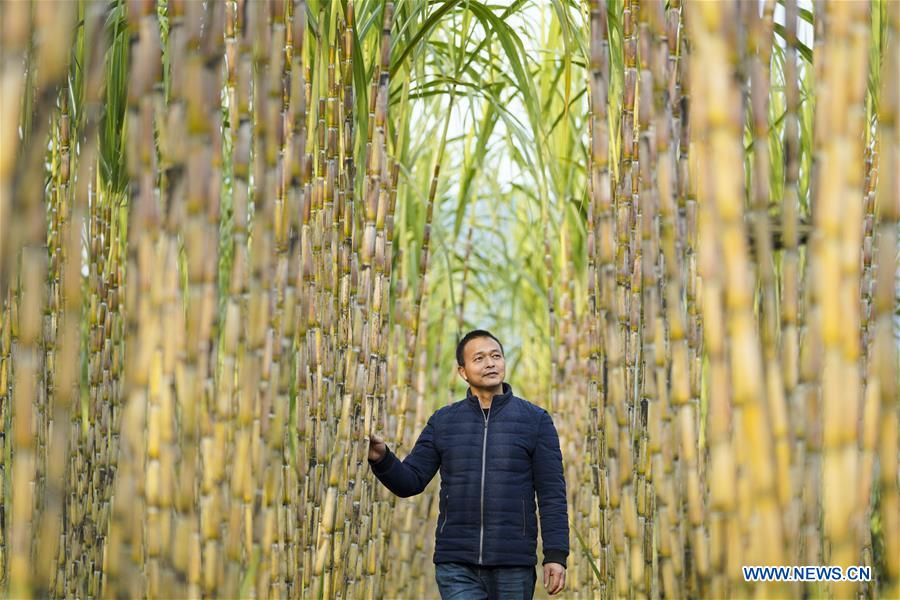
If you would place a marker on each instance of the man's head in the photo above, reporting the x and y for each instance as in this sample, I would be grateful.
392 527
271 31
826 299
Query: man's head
480 361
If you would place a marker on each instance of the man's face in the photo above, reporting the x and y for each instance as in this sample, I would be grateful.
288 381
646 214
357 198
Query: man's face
483 363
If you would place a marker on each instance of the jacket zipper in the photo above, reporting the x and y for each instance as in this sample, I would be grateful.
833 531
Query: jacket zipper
446 510
483 457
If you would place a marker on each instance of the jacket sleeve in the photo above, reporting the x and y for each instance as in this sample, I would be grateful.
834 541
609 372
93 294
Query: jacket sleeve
550 484
410 476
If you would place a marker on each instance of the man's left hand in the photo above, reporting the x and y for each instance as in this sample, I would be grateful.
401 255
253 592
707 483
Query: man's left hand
554 577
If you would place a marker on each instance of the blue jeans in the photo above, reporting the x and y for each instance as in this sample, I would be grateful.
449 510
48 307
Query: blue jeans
459 581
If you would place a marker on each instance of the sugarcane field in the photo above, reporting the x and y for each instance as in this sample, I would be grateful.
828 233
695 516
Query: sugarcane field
421 299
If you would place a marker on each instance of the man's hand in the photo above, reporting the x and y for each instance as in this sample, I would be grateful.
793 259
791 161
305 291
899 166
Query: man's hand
554 577
377 448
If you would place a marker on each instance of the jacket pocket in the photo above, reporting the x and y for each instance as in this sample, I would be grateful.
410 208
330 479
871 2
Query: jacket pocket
446 511
524 519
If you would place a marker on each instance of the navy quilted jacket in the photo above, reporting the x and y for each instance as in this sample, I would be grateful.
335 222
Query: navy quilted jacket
491 469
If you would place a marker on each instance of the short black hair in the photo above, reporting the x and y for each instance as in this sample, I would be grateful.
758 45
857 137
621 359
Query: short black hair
475 333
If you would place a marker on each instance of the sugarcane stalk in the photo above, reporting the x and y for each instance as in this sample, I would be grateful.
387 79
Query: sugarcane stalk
883 354
717 121
836 246
27 260
602 247
33 69
759 53
234 403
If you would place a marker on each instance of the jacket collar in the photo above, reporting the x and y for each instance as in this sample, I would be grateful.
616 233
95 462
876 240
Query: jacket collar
496 402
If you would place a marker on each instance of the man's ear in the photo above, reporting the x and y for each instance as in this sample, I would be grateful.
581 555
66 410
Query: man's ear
461 371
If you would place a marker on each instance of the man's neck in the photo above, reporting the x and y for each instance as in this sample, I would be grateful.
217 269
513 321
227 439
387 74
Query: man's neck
486 395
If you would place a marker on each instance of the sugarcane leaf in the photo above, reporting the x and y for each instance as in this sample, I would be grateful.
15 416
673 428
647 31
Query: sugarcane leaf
473 167
587 552
804 50
803 13
426 28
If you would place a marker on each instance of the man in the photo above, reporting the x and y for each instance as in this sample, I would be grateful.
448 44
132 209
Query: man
495 451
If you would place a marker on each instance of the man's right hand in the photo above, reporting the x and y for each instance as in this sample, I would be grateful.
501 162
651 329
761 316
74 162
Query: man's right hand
377 448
